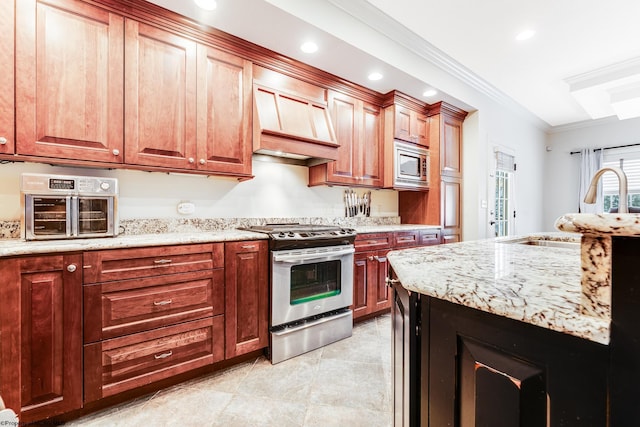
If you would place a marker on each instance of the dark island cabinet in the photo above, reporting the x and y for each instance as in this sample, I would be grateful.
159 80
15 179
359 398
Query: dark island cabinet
479 369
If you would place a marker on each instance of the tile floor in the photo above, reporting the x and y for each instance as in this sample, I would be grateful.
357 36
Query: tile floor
347 383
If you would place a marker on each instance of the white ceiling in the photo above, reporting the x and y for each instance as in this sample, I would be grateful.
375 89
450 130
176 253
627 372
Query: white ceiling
418 43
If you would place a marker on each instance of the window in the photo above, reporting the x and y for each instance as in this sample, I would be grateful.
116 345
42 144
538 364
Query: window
504 220
629 161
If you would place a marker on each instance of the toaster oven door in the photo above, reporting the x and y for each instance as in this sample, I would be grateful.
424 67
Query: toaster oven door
95 216
47 217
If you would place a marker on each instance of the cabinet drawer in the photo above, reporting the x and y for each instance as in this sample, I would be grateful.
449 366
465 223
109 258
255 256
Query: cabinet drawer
120 364
406 238
121 264
127 306
372 241
429 237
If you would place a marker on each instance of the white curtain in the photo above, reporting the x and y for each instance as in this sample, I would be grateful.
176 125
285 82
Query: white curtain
590 162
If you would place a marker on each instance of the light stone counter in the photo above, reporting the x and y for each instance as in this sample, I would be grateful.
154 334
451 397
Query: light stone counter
361 229
11 247
540 285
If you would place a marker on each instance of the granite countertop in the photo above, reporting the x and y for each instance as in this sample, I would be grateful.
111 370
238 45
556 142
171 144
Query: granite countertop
540 285
393 227
11 247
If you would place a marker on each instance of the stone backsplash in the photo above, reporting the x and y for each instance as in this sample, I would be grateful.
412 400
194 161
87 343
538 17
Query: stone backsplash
11 229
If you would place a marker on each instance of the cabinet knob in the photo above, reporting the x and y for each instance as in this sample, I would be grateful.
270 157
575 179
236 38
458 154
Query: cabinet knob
371 258
202 161
3 140
192 160
116 152
71 268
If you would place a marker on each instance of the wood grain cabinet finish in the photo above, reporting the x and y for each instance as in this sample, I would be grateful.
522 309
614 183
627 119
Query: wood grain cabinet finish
7 87
69 81
188 105
246 297
411 125
151 313
370 293
41 345
120 364
483 369
358 130
160 97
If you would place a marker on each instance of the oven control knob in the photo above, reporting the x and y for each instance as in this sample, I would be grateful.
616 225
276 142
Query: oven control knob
291 234
281 234
105 185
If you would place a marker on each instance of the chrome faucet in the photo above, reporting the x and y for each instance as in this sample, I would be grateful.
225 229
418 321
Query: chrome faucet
622 180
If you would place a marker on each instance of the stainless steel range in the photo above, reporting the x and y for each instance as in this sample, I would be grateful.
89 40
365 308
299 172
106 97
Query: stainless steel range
311 286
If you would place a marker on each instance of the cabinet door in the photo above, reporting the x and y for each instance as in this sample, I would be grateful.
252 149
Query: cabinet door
370 292
7 131
160 97
41 327
379 291
224 112
246 297
411 126
344 113
370 147
361 304
69 81
451 210
357 126
450 146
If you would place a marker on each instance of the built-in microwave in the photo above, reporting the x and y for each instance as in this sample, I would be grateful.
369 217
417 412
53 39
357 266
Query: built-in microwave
67 207
411 166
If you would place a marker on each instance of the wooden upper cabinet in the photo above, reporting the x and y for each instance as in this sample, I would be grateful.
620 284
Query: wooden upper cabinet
446 131
7 113
357 126
224 112
411 126
69 81
160 97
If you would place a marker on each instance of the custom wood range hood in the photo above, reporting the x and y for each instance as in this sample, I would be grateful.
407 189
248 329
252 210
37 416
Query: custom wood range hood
291 122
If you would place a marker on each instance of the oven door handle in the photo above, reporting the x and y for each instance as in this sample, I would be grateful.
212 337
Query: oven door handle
324 256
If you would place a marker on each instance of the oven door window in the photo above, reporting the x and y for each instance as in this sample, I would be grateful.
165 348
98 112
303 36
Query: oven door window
310 282
50 216
93 215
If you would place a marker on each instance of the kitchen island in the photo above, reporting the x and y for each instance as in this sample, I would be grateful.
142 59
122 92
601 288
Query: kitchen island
515 332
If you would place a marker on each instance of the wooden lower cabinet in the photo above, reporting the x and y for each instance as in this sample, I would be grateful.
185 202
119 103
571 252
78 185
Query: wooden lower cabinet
41 346
457 366
370 291
246 297
120 364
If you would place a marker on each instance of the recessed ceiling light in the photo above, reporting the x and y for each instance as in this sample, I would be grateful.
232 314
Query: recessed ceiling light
525 35
206 4
429 92
309 47
375 76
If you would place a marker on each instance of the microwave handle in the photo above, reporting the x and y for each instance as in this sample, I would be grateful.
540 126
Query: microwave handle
72 216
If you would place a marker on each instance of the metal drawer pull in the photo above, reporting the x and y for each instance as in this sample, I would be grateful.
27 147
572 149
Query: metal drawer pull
165 302
162 261
163 355
249 247
391 281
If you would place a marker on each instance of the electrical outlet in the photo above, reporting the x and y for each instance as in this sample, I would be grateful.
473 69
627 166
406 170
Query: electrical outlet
186 208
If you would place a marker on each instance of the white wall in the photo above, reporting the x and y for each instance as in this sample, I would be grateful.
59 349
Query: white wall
562 171
278 190
497 126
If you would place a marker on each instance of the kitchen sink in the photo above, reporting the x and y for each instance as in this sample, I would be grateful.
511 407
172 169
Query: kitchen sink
533 241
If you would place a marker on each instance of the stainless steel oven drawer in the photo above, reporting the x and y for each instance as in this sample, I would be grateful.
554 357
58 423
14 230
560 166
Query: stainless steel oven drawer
295 340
